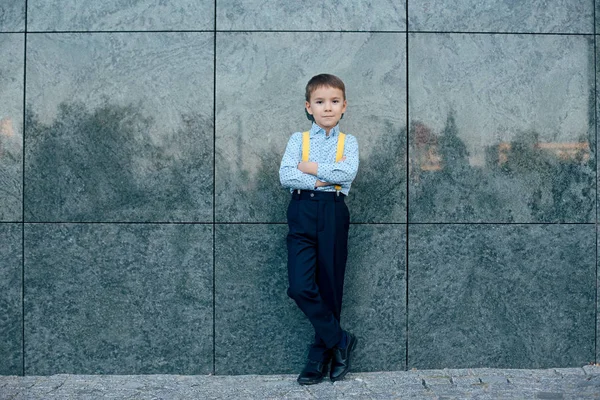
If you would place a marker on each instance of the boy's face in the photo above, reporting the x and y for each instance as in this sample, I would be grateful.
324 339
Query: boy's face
326 105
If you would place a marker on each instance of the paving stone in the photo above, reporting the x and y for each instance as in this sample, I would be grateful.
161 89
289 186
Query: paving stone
437 381
572 383
570 371
592 369
468 380
550 396
495 379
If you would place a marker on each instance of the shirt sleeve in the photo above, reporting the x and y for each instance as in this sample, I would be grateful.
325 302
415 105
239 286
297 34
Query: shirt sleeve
289 174
343 172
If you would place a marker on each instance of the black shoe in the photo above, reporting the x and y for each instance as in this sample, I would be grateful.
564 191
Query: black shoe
340 364
313 372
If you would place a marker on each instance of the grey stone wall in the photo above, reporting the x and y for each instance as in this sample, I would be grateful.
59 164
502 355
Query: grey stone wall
142 225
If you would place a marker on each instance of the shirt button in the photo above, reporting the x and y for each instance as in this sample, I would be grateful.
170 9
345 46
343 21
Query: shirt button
312 195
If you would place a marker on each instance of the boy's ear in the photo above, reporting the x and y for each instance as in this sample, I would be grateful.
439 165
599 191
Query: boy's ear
308 113
309 116
307 107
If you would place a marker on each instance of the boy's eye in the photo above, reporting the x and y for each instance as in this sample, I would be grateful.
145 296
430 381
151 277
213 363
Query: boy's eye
319 102
336 101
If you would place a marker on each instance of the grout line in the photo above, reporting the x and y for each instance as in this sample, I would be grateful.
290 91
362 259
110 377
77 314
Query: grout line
407 197
285 223
502 223
307 31
214 260
120 222
319 31
595 115
23 196
504 33
407 192
22 299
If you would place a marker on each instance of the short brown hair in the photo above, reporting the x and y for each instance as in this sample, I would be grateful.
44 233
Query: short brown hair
321 80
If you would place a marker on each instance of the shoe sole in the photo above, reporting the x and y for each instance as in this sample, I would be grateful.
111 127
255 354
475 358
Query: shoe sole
325 373
310 383
342 376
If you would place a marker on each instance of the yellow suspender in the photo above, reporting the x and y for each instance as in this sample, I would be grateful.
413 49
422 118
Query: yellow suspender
338 155
305 145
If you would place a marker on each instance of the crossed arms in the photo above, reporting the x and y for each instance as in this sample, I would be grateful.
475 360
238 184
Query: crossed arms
307 175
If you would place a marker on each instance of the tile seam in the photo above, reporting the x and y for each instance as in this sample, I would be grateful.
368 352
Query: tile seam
284 223
318 31
214 228
596 184
23 126
407 246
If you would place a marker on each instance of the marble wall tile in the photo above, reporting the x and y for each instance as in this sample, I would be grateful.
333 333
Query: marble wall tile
260 330
594 144
119 127
566 16
502 128
118 299
11 126
375 296
597 15
117 15
12 16
501 296
11 316
373 15
261 78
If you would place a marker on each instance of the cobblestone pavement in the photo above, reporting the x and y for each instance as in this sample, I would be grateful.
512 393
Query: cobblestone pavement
483 383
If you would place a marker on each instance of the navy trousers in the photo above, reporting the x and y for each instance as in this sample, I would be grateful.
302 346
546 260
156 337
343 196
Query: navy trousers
317 245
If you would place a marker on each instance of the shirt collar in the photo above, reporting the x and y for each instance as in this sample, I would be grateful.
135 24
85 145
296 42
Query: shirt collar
316 129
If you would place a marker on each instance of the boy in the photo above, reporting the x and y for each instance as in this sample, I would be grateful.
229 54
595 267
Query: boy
318 167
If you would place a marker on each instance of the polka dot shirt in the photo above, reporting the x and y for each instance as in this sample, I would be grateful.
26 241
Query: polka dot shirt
323 150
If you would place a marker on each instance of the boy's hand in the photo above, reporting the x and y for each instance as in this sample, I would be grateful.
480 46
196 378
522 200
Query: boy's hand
321 183
308 167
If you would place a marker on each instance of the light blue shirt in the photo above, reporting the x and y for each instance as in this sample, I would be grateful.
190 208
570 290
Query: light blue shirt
323 150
